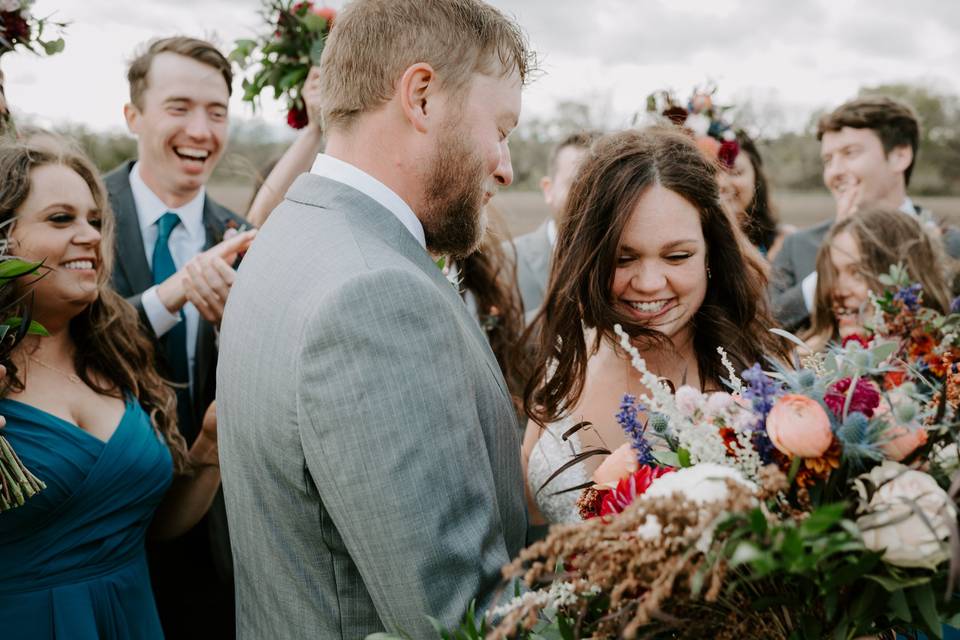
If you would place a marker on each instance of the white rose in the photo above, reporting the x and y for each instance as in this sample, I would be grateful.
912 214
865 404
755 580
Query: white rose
702 483
888 521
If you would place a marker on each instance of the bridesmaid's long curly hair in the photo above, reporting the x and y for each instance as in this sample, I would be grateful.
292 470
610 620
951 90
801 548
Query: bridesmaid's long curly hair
618 169
110 341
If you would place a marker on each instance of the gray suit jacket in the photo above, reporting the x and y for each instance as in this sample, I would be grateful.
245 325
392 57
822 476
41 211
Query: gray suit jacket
798 259
534 255
369 448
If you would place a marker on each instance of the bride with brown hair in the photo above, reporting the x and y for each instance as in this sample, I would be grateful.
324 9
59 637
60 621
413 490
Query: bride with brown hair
646 245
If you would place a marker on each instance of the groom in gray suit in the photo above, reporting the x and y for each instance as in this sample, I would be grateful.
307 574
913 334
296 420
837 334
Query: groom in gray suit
369 448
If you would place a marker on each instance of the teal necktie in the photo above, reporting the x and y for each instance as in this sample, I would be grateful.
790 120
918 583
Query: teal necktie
175 341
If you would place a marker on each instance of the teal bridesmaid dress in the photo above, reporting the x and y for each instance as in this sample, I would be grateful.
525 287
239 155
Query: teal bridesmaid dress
72 559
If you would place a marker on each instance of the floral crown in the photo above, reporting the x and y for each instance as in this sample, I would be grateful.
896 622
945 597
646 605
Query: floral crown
703 117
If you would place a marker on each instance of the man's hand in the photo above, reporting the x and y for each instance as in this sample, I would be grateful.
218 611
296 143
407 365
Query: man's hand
849 201
206 279
311 96
205 452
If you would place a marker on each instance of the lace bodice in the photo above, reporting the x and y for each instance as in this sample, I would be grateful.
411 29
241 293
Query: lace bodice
549 454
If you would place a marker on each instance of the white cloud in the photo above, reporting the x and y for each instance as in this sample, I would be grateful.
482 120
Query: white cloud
804 55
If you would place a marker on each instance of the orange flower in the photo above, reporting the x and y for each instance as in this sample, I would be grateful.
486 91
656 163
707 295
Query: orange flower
798 426
893 379
815 470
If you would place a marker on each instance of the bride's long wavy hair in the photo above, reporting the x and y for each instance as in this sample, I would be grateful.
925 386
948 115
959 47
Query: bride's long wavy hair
107 335
618 169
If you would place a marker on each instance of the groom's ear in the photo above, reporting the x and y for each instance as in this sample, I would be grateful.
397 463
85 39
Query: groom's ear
132 115
418 94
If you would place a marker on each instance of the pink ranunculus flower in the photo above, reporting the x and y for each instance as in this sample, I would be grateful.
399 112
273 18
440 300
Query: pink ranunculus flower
619 464
798 426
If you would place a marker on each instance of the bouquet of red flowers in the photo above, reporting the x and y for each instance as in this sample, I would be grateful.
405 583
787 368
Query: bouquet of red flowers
282 57
18 27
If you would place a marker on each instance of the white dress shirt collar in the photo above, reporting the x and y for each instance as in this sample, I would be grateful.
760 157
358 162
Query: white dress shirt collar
345 173
150 207
907 206
552 232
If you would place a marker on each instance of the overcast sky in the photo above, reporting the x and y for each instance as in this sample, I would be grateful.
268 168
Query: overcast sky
800 55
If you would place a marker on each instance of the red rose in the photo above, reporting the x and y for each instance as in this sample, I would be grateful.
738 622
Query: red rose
856 337
728 153
297 117
866 397
636 484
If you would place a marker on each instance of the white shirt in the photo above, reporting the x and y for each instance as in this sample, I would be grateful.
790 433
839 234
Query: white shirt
345 173
808 286
552 232
186 241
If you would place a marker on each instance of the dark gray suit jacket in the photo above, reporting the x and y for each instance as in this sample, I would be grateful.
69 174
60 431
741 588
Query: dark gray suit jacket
798 259
370 450
534 257
131 277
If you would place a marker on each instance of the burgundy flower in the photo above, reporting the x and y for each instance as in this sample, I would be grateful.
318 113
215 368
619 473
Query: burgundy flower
728 153
636 484
297 117
866 397
15 28
676 115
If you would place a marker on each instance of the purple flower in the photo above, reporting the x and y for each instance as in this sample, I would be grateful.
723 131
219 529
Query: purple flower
909 296
762 391
627 419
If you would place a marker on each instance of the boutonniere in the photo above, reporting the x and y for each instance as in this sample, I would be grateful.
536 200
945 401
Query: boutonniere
450 272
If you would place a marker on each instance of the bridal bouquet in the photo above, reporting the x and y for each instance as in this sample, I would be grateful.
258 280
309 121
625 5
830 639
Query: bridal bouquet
19 27
281 58
17 484
815 502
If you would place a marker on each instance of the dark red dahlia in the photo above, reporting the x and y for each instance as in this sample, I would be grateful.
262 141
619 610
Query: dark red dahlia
297 117
866 397
15 28
728 153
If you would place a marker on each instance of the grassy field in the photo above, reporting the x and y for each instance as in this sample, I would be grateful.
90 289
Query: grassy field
522 211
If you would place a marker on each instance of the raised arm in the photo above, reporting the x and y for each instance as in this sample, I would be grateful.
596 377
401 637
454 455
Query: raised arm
297 159
395 447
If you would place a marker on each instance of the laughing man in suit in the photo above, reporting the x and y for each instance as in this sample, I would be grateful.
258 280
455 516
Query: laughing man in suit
172 269
868 147
369 446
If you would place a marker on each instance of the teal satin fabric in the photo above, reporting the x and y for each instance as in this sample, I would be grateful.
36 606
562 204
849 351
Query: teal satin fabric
72 559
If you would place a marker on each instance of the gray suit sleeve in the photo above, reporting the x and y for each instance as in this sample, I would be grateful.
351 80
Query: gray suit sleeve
786 294
393 440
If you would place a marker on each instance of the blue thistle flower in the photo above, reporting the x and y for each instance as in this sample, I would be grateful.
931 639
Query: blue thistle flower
909 296
635 430
955 305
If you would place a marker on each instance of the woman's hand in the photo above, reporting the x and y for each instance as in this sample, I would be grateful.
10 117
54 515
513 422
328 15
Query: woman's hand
311 97
205 452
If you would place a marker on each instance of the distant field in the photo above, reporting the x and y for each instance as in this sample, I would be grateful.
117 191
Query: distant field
522 211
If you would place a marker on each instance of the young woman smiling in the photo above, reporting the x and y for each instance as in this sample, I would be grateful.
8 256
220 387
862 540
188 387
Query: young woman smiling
645 244
89 415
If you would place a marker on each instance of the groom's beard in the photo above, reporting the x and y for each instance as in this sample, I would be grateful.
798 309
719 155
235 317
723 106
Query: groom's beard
454 219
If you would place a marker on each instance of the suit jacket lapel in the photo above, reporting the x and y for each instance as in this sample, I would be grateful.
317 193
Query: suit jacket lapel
132 255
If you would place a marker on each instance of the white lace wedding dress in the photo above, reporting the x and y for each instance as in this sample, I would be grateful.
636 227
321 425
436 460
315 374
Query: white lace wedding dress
549 454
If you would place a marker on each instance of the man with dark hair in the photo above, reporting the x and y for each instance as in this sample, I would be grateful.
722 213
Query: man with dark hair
173 267
868 147
368 442
535 249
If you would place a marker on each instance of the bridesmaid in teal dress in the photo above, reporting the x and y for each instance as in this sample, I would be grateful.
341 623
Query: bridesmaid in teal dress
89 415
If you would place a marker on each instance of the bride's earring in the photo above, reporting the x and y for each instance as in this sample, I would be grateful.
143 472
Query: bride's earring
709 275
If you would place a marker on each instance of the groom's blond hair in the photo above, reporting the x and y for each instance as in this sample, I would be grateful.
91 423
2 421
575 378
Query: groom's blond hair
373 42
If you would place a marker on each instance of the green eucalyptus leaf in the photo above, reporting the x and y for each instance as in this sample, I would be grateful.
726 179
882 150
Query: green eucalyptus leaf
883 351
684 457
12 268
667 458
316 49
35 328
899 606
894 584
293 78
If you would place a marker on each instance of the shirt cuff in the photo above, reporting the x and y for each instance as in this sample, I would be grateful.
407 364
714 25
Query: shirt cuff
809 288
161 320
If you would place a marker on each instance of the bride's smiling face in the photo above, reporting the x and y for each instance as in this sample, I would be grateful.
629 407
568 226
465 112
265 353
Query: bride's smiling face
660 277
